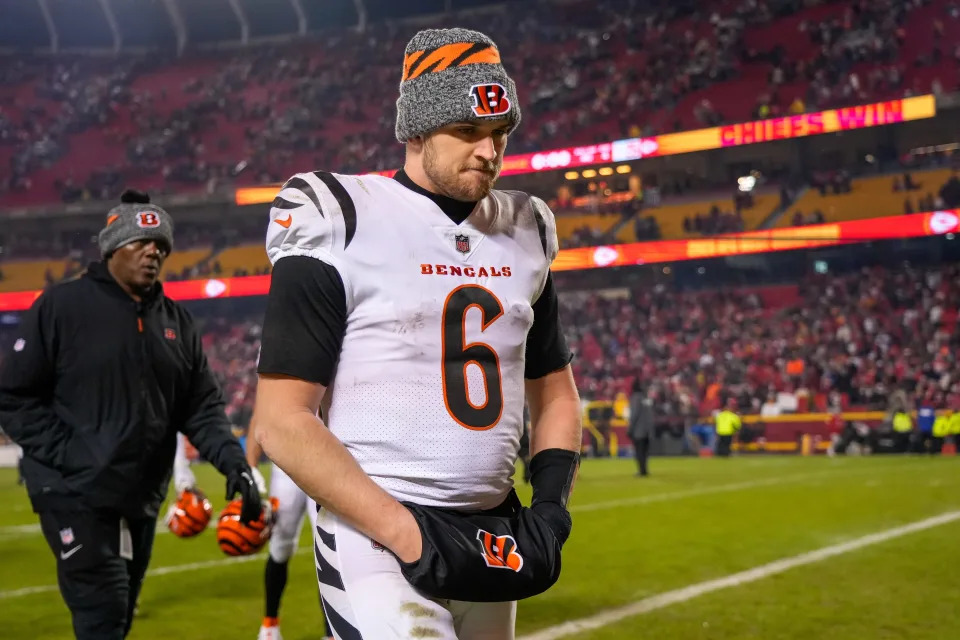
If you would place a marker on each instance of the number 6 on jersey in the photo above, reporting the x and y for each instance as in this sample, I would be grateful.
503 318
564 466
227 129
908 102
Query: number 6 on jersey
458 355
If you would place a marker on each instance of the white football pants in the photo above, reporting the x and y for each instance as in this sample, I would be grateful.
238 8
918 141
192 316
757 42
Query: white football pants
293 504
365 597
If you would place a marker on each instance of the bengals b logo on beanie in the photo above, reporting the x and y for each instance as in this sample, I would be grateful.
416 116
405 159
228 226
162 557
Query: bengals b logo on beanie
453 75
135 219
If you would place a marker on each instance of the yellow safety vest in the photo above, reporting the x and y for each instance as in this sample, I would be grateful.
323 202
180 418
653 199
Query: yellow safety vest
941 427
955 424
727 423
902 422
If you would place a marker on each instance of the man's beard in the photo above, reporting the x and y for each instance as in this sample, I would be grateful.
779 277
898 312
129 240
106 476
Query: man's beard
452 183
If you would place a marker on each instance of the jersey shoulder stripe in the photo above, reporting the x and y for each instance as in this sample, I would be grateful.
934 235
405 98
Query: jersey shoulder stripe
313 214
347 207
304 187
283 204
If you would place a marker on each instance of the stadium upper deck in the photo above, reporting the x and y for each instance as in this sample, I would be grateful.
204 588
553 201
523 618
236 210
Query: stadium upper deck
73 128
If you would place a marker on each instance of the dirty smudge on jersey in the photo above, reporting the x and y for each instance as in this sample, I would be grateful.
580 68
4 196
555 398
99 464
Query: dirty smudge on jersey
417 610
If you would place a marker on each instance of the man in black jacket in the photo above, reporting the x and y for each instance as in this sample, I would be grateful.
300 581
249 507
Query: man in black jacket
104 372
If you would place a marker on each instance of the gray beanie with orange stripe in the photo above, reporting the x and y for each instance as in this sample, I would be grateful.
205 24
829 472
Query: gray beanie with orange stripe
453 75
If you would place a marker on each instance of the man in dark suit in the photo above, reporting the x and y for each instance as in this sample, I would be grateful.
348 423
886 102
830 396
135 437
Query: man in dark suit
640 429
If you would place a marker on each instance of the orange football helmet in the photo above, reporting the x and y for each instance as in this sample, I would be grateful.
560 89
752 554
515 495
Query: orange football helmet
239 539
190 514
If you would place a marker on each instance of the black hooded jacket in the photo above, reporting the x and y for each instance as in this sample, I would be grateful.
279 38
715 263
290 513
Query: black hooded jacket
95 389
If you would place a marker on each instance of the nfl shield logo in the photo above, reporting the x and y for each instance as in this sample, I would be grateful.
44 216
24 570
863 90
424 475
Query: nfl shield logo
169 334
66 536
463 244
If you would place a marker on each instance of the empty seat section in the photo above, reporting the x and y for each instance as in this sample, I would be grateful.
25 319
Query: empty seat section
180 260
251 257
872 197
763 206
26 275
670 218
568 224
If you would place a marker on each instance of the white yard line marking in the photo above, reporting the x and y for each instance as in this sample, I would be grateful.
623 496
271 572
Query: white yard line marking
159 571
684 594
21 530
26 591
13 530
17 531
687 493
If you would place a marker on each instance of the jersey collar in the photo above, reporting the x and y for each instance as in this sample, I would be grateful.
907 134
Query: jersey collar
456 210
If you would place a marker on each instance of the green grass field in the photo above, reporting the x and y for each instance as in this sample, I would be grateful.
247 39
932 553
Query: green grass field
692 521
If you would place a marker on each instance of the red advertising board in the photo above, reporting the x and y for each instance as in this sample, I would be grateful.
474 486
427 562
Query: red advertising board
637 253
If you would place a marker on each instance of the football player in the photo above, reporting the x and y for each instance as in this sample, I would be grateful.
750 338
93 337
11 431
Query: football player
419 311
293 504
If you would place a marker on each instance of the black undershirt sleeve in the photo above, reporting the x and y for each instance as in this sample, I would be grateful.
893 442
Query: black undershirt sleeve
305 320
547 349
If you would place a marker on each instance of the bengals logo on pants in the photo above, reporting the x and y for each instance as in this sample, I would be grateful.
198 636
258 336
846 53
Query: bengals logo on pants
489 100
147 220
499 552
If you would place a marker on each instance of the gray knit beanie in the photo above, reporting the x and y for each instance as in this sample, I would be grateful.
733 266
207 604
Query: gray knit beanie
452 75
135 219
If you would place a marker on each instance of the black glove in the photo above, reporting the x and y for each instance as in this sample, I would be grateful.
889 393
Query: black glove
552 473
240 480
506 554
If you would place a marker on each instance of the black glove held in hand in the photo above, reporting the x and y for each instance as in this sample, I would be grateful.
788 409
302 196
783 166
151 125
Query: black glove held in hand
240 480
508 553
552 472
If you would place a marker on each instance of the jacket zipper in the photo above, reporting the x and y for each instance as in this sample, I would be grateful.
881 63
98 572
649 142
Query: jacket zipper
143 383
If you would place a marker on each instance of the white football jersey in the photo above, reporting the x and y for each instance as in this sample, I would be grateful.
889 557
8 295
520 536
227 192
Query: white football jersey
428 393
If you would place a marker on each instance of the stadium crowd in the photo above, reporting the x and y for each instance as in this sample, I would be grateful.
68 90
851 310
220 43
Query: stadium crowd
854 341
850 339
260 112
